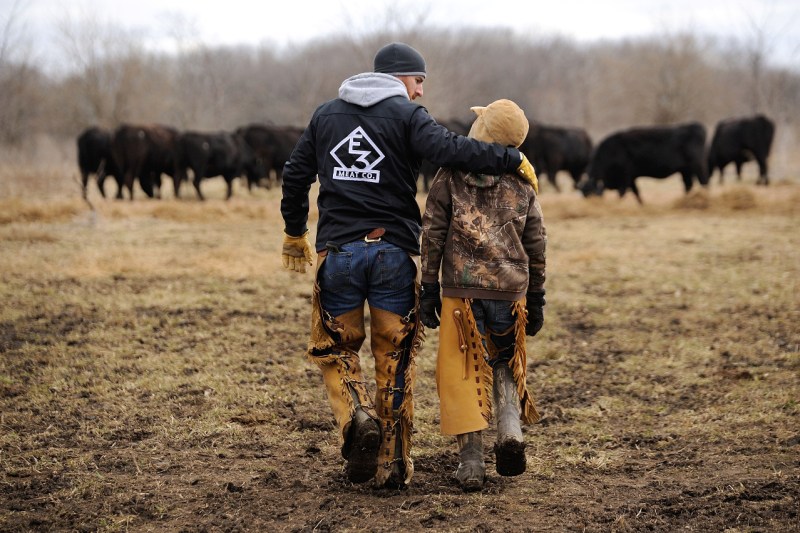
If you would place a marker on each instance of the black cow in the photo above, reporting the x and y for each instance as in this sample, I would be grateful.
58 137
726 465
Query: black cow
657 152
94 157
272 146
146 152
427 169
215 154
738 140
553 148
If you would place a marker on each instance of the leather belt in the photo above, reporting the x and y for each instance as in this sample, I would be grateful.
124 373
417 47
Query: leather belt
374 235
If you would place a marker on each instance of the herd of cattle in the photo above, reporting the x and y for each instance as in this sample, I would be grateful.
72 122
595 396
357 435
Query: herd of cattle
257 152
659 152
655 151
135 152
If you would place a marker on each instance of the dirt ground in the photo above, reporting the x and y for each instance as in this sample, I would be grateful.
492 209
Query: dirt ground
152 375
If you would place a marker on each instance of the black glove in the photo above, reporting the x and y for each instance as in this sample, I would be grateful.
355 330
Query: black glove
430 304
534 304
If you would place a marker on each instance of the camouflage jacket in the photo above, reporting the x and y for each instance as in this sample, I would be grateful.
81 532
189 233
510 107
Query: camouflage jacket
486 233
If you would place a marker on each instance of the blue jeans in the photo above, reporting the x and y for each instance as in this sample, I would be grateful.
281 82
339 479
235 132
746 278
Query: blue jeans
377 272
496 318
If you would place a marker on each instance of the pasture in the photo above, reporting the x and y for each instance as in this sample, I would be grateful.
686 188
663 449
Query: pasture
152 375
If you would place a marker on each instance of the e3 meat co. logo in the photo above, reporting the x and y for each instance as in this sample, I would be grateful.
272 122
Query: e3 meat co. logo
357 155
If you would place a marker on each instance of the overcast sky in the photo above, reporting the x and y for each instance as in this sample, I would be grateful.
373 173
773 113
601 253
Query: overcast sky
283 22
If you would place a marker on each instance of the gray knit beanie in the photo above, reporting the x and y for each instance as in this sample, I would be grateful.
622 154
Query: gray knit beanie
399 59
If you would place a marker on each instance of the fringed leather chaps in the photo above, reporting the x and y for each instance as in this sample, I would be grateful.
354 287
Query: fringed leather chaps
519 364
463 378
395 341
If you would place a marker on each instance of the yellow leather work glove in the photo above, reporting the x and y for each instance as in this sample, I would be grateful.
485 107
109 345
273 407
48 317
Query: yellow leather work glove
296 252
526 172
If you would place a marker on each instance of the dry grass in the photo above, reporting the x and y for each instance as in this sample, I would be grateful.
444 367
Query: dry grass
17 210
152 376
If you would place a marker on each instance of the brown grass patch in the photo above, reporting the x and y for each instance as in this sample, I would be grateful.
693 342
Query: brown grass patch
738 198
45 181
696 199
17 210
27 235
210 211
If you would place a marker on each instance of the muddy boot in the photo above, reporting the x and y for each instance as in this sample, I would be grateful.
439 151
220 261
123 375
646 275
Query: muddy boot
361 447
471 471
509 448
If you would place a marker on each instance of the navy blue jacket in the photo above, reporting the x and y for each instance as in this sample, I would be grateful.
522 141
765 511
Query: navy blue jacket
366 149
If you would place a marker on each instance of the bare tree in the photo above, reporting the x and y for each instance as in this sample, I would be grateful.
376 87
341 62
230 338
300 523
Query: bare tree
756 53
20 80
110 72
676 79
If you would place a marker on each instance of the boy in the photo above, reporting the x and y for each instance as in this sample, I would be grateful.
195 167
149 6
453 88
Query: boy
487 235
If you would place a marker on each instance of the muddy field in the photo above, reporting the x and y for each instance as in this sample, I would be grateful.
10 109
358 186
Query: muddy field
152 375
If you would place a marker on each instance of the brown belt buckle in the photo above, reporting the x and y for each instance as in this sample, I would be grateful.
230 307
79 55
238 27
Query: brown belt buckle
374 235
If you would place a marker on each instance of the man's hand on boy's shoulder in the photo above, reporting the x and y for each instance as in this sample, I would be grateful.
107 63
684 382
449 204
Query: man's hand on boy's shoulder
525 171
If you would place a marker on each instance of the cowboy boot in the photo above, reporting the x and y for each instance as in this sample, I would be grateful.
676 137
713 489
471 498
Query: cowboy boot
509 448
471 471
362 441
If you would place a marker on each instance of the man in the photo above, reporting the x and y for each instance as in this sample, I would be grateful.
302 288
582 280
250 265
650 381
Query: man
366 147
486 233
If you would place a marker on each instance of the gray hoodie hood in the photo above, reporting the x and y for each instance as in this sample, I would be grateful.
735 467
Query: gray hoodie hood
369 88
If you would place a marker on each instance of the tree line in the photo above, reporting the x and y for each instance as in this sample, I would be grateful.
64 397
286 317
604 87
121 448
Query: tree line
601 86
